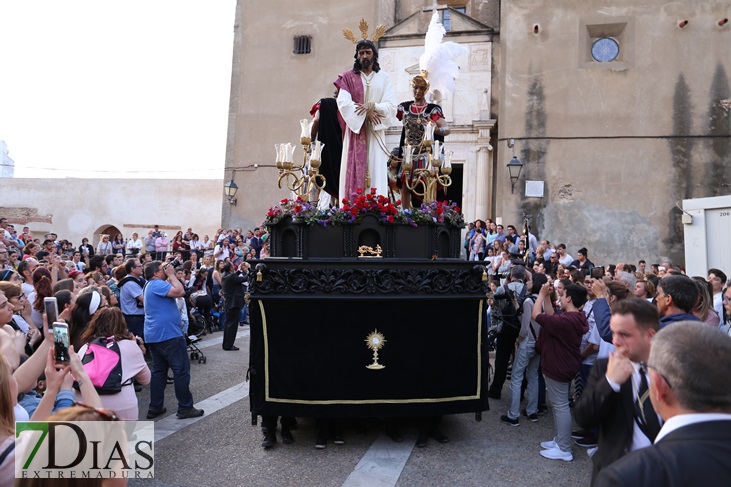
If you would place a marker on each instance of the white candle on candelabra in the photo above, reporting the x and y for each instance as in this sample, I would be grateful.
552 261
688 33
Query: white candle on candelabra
436 154
429 131
317 150
448 158
306 127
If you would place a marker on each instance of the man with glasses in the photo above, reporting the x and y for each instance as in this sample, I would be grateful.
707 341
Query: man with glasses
131 299
164 339
616 386
690 388
4 264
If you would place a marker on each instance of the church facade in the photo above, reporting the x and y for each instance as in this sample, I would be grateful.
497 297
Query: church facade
616 110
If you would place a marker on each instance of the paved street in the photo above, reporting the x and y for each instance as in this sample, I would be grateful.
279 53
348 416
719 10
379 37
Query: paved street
222 448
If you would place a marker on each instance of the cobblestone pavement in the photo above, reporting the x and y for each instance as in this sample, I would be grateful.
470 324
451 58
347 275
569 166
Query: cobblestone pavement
222 448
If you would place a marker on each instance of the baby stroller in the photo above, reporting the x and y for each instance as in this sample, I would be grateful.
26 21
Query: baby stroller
196 328
203 306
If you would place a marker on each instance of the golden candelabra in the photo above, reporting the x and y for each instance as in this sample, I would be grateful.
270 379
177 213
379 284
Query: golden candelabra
436 171
304 179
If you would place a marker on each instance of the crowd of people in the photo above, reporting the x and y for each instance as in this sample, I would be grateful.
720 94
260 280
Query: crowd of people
581 338
146 295
567 332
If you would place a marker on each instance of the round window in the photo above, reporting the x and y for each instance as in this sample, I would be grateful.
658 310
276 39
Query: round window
605 50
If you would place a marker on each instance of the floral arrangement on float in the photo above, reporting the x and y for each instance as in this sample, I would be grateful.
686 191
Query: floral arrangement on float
355 210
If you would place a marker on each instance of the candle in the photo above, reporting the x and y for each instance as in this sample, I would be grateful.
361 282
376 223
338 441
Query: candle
429 131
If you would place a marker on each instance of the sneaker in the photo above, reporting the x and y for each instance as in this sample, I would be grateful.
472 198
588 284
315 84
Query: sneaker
531 417
589 441
557 454
338 439
154 414
512 422
579 434
190 413
591 451
548 445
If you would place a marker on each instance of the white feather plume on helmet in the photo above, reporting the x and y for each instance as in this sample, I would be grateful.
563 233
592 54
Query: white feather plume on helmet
437 63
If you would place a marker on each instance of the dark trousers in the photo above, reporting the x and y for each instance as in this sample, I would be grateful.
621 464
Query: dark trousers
232 324
503 351
136 324
269 423
170 354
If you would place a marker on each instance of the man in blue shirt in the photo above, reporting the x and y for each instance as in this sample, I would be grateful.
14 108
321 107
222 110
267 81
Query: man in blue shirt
164 339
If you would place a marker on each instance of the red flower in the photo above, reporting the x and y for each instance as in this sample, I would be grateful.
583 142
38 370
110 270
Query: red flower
456 208
297 208
284 201
390 219
270 214
354 211
359 191
373 190
398 202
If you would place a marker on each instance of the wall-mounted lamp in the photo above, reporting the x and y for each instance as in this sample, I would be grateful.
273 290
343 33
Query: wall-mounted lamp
230 189
514 168
536 29
722 22
682 23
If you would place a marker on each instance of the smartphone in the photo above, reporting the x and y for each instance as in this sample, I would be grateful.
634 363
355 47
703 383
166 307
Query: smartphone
51 310
596 272
61 343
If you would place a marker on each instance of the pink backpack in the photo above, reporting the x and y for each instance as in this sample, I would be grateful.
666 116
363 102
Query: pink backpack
103 362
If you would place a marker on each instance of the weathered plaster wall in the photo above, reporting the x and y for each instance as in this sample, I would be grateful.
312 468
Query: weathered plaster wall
272 88
617 144
77 208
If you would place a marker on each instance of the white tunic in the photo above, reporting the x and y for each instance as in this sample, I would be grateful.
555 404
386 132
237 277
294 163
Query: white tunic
381 93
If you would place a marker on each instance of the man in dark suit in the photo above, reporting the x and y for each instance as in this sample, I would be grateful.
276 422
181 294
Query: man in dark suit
690 387
255 242
232 286
609 399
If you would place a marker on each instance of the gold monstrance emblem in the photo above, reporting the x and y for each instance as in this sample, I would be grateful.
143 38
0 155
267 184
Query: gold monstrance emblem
375 341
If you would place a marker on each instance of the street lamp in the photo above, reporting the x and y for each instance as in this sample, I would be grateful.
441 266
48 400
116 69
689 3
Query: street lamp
230 189
514 168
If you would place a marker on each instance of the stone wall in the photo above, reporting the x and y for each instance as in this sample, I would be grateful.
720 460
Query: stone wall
618 144
77 208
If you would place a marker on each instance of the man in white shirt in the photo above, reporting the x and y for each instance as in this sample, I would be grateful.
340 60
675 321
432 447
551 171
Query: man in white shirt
221 250
717 278
134 245
563 257
690 388
609 401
